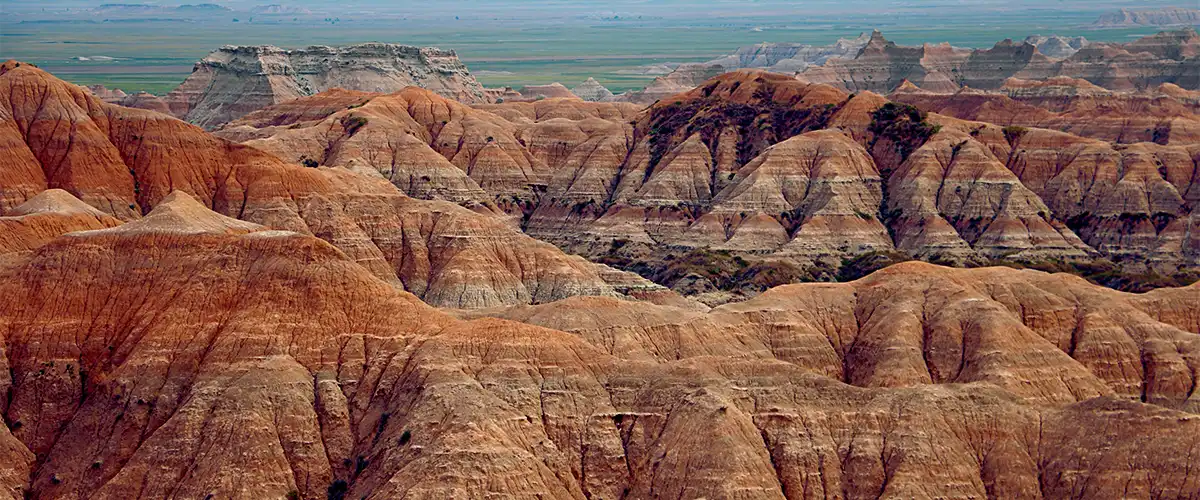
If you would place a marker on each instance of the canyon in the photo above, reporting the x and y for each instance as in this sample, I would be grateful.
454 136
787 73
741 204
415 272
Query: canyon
756 286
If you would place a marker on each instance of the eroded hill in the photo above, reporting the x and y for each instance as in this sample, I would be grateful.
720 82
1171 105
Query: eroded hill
793 180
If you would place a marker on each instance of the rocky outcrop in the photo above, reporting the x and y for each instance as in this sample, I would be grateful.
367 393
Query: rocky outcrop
882 66
784 58
1057 47
1169 16
235 80
1164 115
126 162
591 90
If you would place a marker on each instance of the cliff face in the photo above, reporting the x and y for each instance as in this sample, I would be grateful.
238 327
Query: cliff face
235 80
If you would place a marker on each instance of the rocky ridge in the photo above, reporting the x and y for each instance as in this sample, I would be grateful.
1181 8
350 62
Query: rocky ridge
882 66
1169 16
235 80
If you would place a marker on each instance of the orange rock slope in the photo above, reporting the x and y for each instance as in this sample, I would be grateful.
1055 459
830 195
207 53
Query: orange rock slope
125 162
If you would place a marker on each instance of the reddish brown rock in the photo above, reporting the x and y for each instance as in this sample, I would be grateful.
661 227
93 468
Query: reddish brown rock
48 215
446 254
1071 105
295 369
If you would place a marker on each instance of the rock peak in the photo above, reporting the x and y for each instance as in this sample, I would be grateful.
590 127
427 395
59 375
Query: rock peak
55 201
180 213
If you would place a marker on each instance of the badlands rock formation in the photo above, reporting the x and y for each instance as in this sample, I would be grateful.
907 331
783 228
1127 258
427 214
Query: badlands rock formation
1169 16
188 317
785 58
235 80
592 90
1166 114
882 66
288 370
780 172
125 162
1057 47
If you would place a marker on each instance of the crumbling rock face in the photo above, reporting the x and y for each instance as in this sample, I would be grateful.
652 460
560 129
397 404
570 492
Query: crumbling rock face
235 80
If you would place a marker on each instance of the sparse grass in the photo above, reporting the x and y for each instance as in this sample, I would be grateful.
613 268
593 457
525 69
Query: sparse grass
867 263
904 125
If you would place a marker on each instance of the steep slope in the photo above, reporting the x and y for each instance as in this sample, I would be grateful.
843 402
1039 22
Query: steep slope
235 80
125 162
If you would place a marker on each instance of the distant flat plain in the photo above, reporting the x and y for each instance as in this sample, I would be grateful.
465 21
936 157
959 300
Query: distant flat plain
155 55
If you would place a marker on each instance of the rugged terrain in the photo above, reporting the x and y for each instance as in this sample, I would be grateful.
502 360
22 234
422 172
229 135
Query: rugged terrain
784 58
185 316
790 180
882 66
1169 16
125 161
235 80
